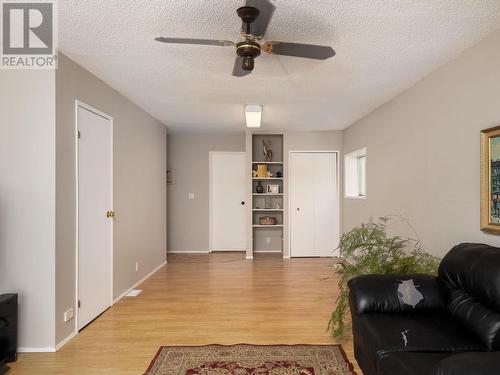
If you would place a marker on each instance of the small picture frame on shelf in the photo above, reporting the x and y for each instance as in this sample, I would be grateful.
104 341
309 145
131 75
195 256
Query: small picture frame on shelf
273 189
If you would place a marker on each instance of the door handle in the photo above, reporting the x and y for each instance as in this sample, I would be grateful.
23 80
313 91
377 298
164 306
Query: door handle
110 214
242 203
298 209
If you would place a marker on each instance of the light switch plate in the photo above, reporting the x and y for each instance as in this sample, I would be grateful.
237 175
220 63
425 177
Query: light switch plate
191 196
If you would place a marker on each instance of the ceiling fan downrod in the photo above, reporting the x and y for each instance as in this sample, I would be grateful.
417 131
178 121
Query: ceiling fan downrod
248 50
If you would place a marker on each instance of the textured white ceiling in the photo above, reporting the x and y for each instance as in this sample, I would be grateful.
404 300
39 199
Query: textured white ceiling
383 47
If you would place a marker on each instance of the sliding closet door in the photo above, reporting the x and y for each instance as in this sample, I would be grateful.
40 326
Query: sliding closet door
313 204
325 204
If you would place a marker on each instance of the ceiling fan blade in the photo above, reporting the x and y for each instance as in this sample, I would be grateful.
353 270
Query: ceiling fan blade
266 10
205 42
238 68
308 51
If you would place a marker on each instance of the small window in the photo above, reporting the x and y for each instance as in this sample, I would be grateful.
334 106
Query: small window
355 174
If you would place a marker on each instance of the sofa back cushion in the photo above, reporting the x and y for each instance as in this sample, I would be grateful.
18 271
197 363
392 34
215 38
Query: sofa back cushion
471 272
396 294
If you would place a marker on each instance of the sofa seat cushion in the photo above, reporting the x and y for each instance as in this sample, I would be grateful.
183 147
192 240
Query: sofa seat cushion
469 364
380 334
408 363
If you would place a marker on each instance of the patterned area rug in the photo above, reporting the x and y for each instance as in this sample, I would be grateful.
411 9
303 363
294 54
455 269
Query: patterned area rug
246 359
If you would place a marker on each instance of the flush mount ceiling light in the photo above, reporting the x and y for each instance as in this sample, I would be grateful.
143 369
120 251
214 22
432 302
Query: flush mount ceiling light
253 115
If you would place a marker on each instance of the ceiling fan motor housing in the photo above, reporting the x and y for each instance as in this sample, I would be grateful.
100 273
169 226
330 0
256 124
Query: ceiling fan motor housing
248 14
248 50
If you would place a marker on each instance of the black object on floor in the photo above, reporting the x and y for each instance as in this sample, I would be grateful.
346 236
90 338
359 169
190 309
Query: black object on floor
8 328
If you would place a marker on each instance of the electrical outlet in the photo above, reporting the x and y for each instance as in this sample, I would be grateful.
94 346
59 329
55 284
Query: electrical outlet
68 315
268 240
136 266
190 196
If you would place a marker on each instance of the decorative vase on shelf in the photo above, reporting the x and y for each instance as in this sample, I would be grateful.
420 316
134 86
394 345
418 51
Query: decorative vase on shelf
259 188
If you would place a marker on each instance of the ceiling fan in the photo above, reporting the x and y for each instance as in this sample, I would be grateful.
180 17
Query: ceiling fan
256 16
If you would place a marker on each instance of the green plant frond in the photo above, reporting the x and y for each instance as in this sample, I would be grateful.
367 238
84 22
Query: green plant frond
369 250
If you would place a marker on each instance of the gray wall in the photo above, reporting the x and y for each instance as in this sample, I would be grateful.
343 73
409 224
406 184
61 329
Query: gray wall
423 150
139 185
27 200
188 158
188 227
314 140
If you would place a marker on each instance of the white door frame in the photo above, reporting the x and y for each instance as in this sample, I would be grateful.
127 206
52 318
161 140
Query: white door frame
79 104
210 203
337 153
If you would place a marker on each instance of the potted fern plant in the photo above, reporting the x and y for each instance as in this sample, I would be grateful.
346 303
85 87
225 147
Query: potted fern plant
368 249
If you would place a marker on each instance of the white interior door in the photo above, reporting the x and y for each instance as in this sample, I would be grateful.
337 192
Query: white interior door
326 225
301 205
314 225
227 201
95 229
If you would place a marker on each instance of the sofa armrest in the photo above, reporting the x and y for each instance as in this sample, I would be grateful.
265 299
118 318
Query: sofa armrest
471 363
396 294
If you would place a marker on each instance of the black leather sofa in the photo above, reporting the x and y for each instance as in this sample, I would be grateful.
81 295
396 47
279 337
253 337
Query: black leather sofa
425 325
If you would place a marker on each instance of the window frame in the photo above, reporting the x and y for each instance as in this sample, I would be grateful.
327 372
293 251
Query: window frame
355 174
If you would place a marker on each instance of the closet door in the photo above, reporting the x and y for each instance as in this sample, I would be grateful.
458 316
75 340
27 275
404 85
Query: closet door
325 186
301 205
95 222
314 226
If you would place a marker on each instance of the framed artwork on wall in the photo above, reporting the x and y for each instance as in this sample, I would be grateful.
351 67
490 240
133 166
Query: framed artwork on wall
490 179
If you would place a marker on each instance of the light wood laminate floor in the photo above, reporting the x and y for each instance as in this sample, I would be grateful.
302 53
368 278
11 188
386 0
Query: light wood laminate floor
202 299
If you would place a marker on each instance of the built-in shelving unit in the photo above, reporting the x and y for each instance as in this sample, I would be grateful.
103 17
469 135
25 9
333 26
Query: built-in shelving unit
267 194
270 202
267 178
268 209
268 226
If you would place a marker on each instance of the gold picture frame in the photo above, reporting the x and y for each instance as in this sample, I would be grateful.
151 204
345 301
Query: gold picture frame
490 179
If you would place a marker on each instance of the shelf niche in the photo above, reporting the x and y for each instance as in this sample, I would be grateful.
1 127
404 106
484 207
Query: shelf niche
276 147
269 202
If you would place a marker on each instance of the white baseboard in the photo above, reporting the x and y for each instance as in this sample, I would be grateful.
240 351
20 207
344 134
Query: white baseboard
249 257
65 340
139 282
188 252
228 251
73 334
46 349
267 251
